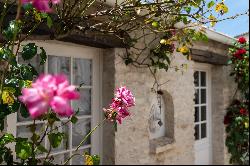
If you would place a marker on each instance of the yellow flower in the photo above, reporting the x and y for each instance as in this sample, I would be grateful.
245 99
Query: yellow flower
184 50
88 160
222 8
246 125
213 20
8 96
166 42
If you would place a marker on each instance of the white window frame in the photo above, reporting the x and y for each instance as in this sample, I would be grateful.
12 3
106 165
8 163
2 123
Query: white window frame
64 49
202 67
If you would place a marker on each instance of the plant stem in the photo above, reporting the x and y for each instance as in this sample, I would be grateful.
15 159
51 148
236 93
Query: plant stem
84 139
19 7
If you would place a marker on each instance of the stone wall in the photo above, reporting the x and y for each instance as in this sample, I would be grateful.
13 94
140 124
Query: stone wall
131 143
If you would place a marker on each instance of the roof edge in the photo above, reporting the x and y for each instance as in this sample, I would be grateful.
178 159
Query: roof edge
211 34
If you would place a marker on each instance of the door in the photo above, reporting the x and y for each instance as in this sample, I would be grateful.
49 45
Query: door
202 83
81 65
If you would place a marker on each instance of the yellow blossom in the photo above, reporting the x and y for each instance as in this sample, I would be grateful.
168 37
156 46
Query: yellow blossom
88 160
166 42
184 49
8 96
222 8
246 125
213 20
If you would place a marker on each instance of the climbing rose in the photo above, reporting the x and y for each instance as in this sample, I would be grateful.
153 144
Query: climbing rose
242 40
49 91
238 54
122 101
243 111
41 5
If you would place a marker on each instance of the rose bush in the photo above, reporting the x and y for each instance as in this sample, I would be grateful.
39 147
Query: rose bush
237 116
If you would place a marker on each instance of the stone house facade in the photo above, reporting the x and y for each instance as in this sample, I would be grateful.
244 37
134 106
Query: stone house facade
192 109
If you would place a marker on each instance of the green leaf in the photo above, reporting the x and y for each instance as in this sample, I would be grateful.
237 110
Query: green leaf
7 55
187 9
14 107
23 149
12 30
43 56
44 15
49 22
185 20
24 112
6 138
52 118
55 139
210 4
27 6
96 159
74 119
26 73
29 51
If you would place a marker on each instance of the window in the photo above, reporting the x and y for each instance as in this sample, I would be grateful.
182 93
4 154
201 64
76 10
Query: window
81 66
201 121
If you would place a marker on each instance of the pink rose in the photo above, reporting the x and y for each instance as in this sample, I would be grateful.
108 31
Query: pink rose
49 91
41 5
119 108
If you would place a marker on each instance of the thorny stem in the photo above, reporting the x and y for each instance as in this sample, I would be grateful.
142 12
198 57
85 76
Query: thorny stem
84 139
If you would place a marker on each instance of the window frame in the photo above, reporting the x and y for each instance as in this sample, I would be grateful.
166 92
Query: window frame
202 143
73 51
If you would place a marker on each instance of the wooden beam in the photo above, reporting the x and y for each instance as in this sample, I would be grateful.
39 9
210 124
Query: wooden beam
209 57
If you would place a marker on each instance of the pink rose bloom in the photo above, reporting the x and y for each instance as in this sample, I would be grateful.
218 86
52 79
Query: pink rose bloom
60 103
38 97
41 5
125 96
49 91
121 114
119 107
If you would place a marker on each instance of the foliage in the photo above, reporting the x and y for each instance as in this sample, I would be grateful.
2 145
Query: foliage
237 117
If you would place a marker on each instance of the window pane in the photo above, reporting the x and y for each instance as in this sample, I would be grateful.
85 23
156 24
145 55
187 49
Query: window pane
59 65
203 96
203 130
197 131
196 79
24 131
80 160
196 99
80 130
203 113
61 158
196 114
84 103
82 71
203 79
